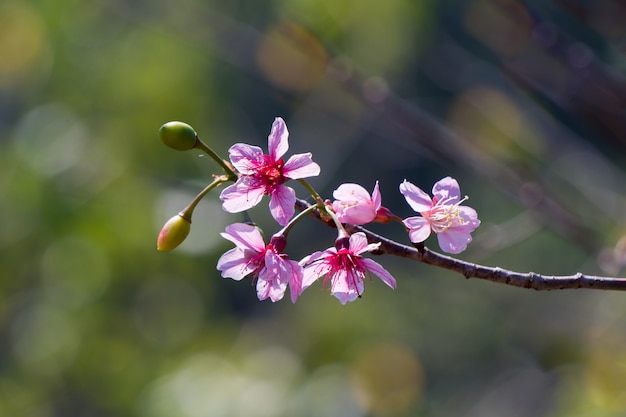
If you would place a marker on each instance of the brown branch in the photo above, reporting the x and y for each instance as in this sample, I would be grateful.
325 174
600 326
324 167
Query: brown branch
532 280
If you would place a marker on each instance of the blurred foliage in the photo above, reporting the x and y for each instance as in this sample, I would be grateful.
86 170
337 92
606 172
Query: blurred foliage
523 102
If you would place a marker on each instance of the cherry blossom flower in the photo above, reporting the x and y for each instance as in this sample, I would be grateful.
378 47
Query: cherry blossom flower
267 264
264 174
344 267
443 215
354 205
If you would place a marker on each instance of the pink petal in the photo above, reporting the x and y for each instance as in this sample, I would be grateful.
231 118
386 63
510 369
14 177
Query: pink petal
352 192
295 284
300 166
277 141
234 264
240 196
376 197
316 265
454 240
382 273
419 228
357 215
345 287
245 157
282 204
273 279
245 236
446 188
470 216
314 271
358 244
417 199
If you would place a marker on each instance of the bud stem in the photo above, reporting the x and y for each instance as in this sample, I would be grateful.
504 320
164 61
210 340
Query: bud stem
314 194
232 176
188 211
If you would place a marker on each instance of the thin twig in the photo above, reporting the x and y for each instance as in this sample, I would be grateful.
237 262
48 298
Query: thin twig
532 280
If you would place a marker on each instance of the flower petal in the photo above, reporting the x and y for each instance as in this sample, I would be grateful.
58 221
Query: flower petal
273 279
316 265
352 192
415 197
356 214
376 197
282 204
300 166
381 272
277 141
314 270
358 244
234 264
245 236
241 196
245 157
470 216
447 188
454 240
419 228
295 284
346 286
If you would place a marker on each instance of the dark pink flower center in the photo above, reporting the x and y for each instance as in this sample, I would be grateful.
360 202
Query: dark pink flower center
270 173
345 260
258 261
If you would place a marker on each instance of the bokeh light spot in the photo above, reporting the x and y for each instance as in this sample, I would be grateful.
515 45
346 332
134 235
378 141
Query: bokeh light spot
291 58
388 379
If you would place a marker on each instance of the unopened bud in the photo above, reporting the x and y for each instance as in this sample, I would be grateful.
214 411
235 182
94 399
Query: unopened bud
173 233
178 135
279 242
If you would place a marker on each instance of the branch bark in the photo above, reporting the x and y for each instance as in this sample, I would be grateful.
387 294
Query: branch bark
531 280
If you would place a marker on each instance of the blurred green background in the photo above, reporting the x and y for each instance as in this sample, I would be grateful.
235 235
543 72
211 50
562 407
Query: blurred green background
523 102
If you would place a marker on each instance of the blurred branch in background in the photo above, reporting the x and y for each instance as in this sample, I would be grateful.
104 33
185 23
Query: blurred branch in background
506 119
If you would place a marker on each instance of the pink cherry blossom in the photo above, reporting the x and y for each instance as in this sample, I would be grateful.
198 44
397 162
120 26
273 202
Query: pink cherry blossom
267 264
354 205
344 267
443 215
265 174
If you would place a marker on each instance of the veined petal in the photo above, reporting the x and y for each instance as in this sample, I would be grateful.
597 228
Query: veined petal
273 279
245 157
447 188
380 271
234 264
282 204
358 243
277 141
346 287
295 284
300 166
245 236
351 192
419 228
315 266
240 196
415 197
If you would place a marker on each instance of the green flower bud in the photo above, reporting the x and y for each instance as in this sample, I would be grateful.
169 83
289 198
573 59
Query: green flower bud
178 135
173 233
